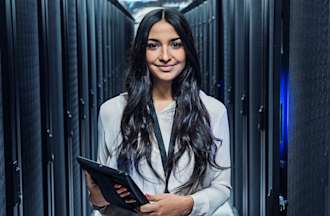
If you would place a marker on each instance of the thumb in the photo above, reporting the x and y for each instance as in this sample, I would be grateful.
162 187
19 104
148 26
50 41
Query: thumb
155 198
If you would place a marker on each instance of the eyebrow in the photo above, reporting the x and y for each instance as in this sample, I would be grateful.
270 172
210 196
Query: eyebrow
173 39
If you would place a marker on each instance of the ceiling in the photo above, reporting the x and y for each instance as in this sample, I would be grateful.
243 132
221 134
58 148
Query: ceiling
138 8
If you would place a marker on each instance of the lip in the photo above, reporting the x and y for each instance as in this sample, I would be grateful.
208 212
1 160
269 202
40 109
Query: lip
166 68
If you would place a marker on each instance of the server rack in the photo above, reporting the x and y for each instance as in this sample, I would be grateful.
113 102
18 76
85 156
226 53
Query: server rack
204 21
239 52
83 93
52 107
2 155
11 130
49 70
92 73
99 56
71 104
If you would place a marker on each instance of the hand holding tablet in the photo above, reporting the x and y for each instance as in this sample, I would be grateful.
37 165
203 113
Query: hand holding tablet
116 187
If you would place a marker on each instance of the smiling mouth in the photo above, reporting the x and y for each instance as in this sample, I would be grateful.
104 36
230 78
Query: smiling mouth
166 68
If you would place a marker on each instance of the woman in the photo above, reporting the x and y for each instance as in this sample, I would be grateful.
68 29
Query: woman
165 132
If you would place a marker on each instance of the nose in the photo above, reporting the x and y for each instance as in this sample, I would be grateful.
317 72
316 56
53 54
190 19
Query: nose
165 55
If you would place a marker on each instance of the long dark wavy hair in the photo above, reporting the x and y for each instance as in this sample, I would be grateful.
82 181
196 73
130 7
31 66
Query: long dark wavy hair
191 122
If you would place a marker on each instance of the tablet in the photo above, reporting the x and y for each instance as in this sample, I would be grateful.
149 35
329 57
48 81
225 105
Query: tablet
106 177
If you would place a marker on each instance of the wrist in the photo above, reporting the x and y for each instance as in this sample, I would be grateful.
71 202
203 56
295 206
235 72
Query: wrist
96 203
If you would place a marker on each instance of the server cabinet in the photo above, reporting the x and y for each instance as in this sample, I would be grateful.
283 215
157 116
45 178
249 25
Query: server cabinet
51 79
2 150
11 121
92 77
99 52
204 20
110 49
241 63
104 12
71 105
83 88
28 80
227 42
256 107
308 109
113 53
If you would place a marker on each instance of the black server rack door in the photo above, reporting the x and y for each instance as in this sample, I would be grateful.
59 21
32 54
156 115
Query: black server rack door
58 146
227 27
92 74
211 46
272 189
72 138
99 52
110 49
109 45
115 47
205 41
255 73
27 67
112 34
218 74
103 11
52 107
2 151
10 102
241 106
83 94
309 117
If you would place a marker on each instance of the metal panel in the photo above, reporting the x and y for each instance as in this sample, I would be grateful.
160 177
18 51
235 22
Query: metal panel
228 70
99 53
14 202
272 187
92 72
52 107
2 151
103 11
241 110
309 116
83 94
72 139
255 147
27 66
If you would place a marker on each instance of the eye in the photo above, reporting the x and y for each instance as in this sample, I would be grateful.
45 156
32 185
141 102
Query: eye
152 46
176 45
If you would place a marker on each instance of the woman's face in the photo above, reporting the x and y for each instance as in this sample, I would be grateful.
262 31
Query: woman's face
165 54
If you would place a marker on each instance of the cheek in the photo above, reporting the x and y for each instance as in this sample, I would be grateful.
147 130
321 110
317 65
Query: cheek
151 57
181 56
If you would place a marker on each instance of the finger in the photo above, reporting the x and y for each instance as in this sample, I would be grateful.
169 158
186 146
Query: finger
148 208
121 190
148 196
117 186
130 201
154 198
123 195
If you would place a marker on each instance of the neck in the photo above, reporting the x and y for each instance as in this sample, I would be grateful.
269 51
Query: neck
162 91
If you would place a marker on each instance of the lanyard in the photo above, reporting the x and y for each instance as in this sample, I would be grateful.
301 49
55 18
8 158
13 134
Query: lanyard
165 158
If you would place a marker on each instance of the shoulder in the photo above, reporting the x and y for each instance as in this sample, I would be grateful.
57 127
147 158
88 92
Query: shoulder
215 108
112 109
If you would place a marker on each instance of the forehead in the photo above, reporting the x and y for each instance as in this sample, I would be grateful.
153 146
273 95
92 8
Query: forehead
162 30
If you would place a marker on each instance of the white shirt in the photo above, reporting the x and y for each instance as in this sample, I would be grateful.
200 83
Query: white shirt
216 188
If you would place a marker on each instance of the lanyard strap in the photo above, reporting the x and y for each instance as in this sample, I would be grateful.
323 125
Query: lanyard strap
165 158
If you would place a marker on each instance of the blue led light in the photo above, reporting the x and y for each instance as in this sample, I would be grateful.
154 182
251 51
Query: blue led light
284 94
